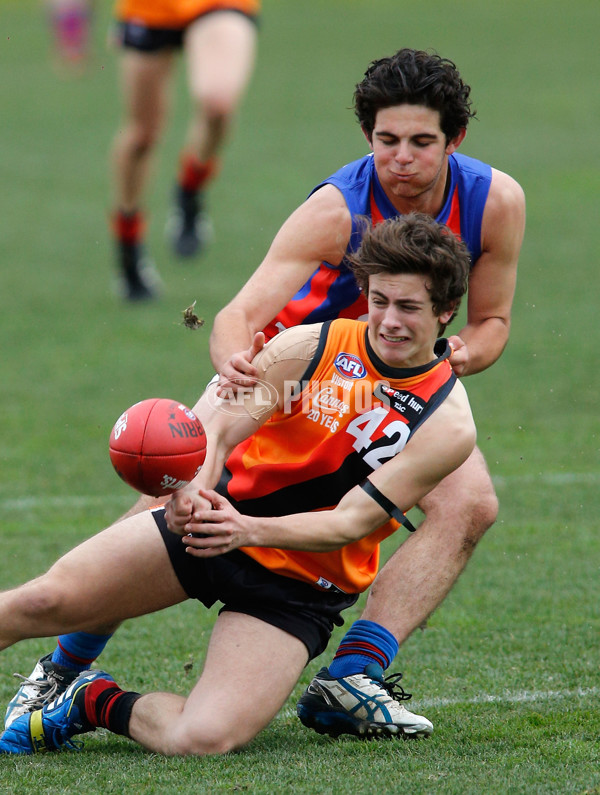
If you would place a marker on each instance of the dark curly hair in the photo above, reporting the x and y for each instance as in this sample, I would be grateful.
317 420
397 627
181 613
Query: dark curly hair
415 243
414 77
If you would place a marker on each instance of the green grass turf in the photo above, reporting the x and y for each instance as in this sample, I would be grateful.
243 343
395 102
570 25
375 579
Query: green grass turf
508 667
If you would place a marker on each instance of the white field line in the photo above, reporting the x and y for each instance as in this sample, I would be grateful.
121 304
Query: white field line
550 479
62 502
80 501
520 697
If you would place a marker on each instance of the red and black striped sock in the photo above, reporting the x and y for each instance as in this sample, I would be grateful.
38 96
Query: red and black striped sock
128 228
194 174
106 705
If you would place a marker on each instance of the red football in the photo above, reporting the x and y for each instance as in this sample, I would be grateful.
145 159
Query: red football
157 446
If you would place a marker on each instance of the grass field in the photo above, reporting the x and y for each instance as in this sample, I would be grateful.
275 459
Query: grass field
507 669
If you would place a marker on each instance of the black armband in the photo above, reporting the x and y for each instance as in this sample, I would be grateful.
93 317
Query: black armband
387 505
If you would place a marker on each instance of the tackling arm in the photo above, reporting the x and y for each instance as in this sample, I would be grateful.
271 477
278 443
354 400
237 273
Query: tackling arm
492 281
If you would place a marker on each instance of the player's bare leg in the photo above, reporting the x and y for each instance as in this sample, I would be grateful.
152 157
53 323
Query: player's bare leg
220 50
251 668
120 573
145 87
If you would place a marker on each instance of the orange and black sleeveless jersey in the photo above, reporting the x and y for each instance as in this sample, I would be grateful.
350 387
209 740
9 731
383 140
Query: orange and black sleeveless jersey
350 414
177 14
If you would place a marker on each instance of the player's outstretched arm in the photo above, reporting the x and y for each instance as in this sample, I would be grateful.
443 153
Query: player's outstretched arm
230 419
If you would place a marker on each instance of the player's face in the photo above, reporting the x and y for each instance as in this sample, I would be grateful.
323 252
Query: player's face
411 157
402 325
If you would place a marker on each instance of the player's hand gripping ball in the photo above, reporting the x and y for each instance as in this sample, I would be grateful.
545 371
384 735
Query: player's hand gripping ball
157 446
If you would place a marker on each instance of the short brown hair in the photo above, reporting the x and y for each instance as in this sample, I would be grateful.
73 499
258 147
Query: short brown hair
415 243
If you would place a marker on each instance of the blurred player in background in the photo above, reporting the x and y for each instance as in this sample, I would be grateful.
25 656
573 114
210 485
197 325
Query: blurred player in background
218 38
70 26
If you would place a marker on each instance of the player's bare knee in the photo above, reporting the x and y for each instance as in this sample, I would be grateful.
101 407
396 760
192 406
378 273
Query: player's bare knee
142 145
475 506
203 741
42 597
141 139
487 510
480 518
218 110
477 516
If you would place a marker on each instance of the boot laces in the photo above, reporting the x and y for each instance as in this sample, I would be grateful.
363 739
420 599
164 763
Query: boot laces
47 688
394 689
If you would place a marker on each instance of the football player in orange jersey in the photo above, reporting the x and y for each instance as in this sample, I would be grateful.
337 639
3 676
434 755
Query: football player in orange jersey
413 108
219 41
350 424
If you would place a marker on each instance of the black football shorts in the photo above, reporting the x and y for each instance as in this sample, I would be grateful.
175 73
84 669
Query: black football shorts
244 586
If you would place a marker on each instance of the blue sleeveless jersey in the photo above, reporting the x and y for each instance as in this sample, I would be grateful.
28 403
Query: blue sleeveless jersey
332 291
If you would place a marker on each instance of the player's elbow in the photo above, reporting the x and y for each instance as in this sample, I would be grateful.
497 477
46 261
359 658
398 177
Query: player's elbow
350 524
231 316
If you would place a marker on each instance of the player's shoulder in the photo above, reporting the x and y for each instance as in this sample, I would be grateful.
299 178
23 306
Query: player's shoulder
325 212
503 187
352 178
327 197
356 172
458 399
505 205
505 190
319 229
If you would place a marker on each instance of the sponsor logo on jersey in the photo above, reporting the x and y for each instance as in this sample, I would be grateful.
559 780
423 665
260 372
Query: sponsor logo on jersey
326 400
343 382
404 402
349 366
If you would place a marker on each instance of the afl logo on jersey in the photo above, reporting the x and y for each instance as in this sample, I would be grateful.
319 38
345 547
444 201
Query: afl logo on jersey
349 366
